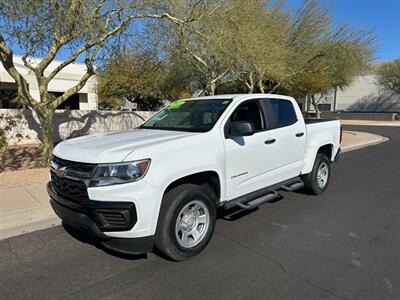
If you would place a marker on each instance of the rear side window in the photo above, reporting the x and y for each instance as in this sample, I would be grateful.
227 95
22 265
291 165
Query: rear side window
281 113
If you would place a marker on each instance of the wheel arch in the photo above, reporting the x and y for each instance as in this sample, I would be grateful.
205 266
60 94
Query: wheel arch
311 155
326 149
210 177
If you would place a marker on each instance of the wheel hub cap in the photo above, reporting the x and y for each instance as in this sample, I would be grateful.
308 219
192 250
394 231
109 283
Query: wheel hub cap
192 224
322 175
188 221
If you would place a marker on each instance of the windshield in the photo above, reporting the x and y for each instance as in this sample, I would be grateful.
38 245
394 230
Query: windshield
188 115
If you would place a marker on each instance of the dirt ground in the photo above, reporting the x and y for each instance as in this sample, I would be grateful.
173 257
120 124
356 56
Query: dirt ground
25 166
22 178
22 157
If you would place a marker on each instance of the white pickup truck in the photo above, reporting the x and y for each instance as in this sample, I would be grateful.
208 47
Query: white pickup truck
161 184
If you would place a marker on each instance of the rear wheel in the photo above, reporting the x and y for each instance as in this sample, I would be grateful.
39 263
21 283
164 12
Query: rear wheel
186 221
317 181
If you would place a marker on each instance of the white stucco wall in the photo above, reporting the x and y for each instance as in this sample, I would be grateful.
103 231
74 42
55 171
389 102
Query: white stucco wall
68 124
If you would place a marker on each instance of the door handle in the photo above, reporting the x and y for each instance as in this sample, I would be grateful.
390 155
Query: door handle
270 141
299 134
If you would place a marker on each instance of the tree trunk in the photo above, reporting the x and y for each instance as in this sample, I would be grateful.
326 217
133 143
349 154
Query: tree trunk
260 82
261 85
211 88
272 91
46 122
250 83
315 105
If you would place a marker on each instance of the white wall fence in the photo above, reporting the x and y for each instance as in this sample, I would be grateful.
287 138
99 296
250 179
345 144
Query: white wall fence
74 123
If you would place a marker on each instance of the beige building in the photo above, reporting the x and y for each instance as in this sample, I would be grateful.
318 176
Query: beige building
363 95
85 99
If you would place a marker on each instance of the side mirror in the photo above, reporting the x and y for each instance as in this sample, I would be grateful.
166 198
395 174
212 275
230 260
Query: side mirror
241 128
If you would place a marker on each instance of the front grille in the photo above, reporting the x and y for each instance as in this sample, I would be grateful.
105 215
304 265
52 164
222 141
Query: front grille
71 189
66 185
75 169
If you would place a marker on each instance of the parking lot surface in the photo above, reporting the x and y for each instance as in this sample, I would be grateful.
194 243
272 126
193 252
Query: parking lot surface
343 244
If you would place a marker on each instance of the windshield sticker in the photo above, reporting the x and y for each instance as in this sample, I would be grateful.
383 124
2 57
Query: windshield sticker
226 102
176 104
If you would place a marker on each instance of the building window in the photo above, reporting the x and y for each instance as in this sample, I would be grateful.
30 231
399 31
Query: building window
72 103
9 95
324 107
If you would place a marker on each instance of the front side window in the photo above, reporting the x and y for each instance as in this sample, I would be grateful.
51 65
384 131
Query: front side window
281 113
188 115
249 111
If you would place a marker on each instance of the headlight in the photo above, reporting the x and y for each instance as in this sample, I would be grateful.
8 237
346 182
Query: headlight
110 174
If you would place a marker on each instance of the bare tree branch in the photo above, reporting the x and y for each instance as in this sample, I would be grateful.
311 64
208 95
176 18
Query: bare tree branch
6 58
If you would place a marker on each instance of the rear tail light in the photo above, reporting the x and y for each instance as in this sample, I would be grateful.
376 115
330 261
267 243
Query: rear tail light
341 134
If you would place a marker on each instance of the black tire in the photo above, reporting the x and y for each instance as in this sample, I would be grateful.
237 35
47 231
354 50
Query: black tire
311 179
173 202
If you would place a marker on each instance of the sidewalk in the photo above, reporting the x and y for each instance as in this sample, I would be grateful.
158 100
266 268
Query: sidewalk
353 140
25 207
370 123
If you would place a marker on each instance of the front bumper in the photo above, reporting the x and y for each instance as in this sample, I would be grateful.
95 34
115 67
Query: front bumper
96 218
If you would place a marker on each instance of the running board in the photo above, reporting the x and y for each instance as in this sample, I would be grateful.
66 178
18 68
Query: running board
268 194
293 187
257 202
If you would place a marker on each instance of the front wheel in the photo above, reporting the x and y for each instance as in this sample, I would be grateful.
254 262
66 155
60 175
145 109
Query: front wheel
186 222
317 181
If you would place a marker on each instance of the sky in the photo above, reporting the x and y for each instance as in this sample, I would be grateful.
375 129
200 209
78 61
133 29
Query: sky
381 16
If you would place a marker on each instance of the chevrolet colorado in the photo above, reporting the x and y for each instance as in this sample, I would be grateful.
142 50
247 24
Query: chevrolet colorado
161 183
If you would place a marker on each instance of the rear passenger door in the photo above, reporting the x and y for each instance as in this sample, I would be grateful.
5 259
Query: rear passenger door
287 135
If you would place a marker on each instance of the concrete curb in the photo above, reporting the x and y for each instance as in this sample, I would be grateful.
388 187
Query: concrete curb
29 227
369 139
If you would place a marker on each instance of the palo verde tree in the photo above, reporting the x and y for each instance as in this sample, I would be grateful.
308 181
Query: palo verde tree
78 29
209 43
145 78
262 51
323 57
134 77
389 76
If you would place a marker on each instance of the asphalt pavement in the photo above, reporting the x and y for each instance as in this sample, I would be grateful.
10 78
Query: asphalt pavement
343 244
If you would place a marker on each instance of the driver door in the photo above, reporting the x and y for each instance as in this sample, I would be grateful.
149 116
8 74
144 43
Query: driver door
246 157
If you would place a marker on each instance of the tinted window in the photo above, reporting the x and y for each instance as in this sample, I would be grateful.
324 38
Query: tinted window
249 111
188 115
281 113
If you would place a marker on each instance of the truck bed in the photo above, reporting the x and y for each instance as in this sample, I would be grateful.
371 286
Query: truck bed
311 121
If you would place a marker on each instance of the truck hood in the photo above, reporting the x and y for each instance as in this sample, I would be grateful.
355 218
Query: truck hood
113 147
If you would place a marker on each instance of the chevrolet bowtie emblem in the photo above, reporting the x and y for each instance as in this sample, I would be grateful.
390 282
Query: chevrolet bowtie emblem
60 171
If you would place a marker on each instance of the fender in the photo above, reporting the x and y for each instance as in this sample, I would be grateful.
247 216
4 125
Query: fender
311 153
193 171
